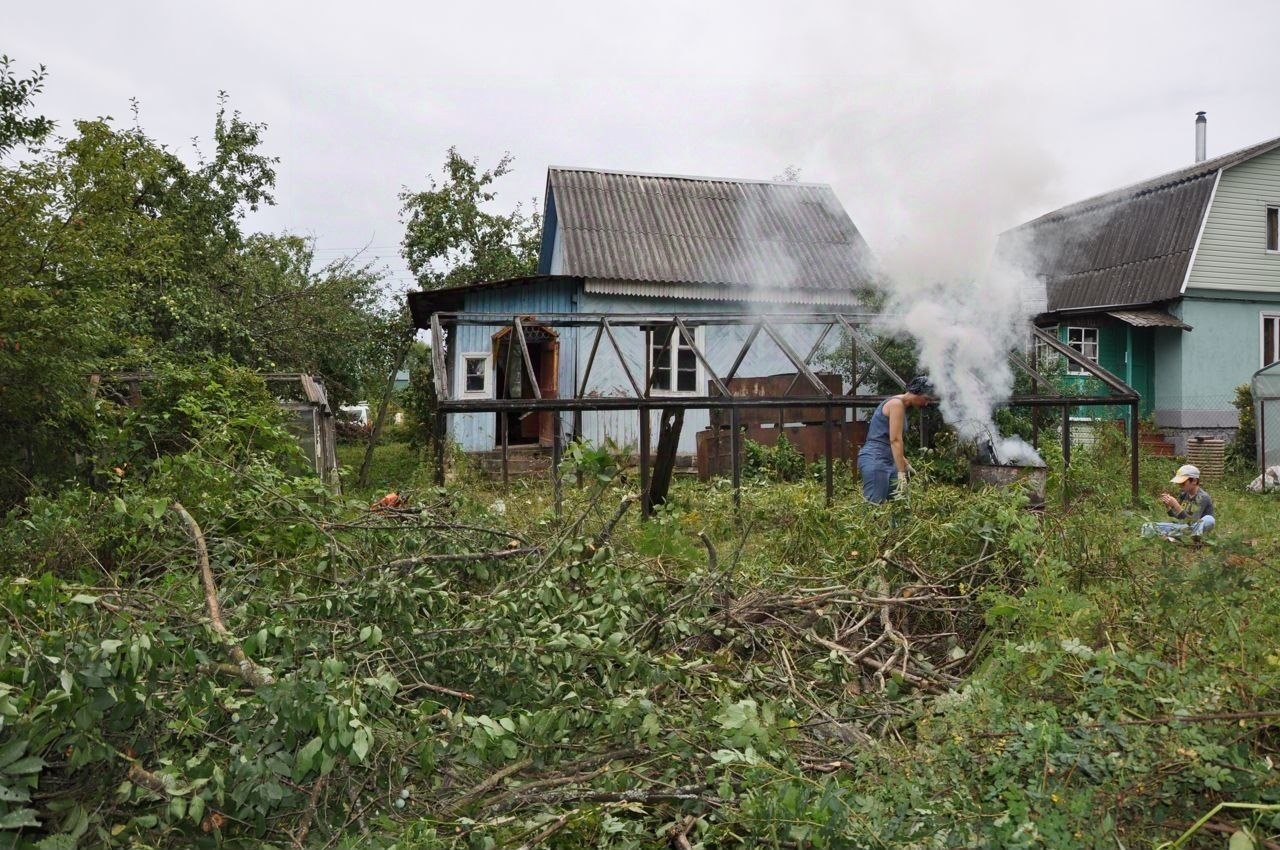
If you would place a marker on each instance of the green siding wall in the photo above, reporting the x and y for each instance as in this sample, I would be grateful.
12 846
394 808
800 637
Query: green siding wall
1166 370
1233 251
1113 346
1224 348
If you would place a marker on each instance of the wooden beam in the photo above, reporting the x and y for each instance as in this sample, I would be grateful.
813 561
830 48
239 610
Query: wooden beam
528 359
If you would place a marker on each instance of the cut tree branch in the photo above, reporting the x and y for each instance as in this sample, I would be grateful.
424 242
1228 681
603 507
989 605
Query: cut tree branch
250 672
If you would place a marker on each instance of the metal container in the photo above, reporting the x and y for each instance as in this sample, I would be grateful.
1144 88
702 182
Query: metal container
1031 478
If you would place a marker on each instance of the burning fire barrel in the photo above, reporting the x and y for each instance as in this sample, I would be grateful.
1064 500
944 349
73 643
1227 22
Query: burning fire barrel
986 469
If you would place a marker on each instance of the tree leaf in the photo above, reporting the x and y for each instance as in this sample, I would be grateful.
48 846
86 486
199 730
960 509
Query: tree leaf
307 757
12 752
361 743
30 764
195 811
1241 840
13 795
19 818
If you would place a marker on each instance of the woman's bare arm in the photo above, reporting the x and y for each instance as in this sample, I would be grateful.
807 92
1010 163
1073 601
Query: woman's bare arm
896 411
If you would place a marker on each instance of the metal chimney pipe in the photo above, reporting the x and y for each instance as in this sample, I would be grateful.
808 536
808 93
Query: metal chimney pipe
1201 123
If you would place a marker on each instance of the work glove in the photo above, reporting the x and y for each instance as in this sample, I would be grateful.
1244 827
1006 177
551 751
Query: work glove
911 471
900 488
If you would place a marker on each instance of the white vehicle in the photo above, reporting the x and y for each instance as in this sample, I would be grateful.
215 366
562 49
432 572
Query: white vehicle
357 414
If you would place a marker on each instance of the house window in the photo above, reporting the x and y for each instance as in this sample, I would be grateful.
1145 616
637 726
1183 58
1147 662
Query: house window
475 375
1085 341
1273 228
1270 338
1047 358
672 361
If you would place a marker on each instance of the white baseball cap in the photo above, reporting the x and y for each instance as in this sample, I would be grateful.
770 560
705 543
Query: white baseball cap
1184 472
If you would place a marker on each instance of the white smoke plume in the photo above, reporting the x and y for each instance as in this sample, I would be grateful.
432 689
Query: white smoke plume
963 325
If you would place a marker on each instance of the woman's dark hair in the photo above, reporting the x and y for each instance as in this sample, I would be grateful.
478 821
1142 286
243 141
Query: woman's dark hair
920 385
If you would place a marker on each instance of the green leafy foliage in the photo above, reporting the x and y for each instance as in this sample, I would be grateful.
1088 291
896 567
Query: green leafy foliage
119 256
1242 453
780 462
451 238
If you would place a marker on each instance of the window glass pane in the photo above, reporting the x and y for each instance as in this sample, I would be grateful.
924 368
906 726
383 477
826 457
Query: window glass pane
475 374
1270 326
1273 228
1085 341
687 370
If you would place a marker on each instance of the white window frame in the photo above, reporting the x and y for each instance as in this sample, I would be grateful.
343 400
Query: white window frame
1045 354
1264 317
1072 368
1266 227
487 392
700 377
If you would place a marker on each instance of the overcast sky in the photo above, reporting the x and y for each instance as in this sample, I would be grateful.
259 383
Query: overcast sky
938 123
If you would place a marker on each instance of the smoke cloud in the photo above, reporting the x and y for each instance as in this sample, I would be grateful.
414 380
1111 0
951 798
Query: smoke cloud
932 171
963 327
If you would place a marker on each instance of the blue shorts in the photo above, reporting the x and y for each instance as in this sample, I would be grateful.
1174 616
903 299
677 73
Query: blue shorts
878 481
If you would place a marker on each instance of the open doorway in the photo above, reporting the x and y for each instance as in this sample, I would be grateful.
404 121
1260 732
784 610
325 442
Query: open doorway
512 381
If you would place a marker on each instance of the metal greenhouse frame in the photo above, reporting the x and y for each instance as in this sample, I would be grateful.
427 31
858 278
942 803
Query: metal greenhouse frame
719 395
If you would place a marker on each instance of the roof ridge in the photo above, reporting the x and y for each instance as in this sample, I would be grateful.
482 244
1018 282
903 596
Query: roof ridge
1160 182
690 177
1121 265
732 237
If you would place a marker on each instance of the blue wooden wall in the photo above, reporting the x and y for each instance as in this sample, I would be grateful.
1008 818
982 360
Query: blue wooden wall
477 431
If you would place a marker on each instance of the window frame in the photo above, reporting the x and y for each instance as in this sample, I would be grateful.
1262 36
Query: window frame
1044 353
1263 317
487 391
1072 368
673 354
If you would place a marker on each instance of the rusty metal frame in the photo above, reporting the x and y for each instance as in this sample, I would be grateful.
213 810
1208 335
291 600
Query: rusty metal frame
853 324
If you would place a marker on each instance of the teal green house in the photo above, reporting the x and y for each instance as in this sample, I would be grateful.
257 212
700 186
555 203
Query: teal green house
1172 284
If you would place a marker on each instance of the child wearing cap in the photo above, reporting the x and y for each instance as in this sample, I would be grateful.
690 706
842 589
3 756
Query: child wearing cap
1193 506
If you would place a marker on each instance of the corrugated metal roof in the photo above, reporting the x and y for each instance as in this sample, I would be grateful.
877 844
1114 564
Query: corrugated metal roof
696 230
1149 319
716 292
1126 247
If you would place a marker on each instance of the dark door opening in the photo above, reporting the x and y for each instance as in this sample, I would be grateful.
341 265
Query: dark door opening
512 380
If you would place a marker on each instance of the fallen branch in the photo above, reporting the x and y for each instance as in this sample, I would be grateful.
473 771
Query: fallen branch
605 533
153 782
250 672
518 798
461 557
637 795
712 560
441 689
308 814
1167 719
490 782
556 825
679 833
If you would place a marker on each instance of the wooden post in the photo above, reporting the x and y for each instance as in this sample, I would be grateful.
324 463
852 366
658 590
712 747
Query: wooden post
829 470
735 458
1133 452
645 507
664 462
1035 411
555 460
438 446
1066 453
502 430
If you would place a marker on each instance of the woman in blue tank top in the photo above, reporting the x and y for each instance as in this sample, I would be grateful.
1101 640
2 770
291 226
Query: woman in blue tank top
882 461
